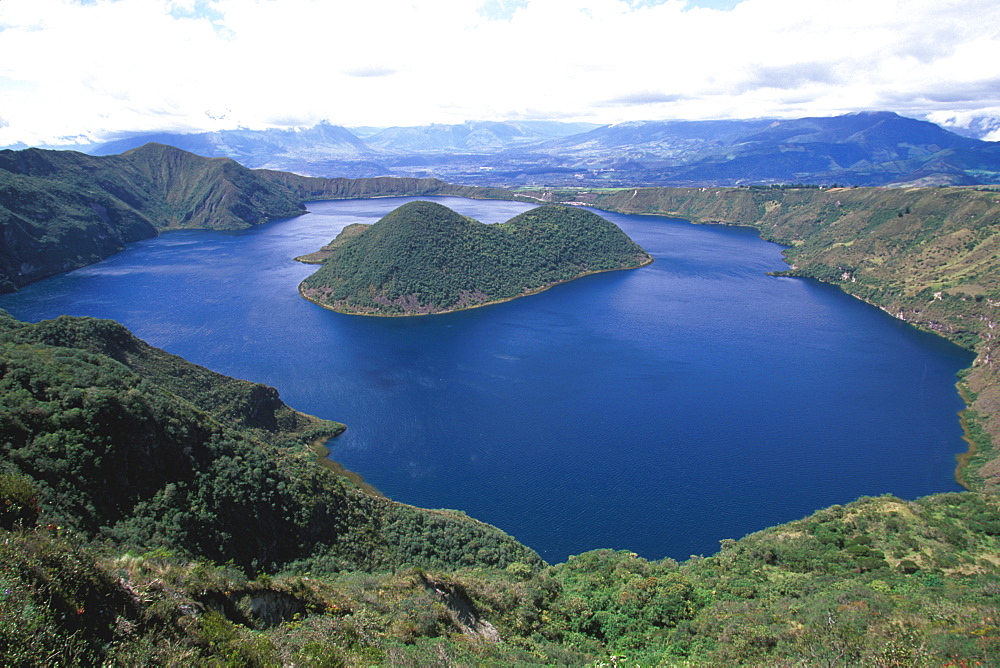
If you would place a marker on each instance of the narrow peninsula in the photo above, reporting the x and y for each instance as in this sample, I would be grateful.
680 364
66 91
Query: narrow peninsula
425 258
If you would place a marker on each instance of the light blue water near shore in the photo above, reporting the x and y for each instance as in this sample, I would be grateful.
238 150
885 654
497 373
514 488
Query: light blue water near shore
657 410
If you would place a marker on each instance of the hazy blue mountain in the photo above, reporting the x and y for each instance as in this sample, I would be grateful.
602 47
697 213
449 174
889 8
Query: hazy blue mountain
471 136
867 148
658 135
870 148
323 144
893 135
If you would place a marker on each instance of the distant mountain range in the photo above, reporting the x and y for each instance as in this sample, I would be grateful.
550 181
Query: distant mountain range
329 150
867 149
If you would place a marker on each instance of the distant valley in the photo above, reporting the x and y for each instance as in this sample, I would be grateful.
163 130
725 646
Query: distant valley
864 149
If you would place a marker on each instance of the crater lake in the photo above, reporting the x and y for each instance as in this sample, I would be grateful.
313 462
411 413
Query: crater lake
657 410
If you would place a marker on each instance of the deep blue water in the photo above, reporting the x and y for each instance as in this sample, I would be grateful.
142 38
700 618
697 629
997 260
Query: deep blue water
657 410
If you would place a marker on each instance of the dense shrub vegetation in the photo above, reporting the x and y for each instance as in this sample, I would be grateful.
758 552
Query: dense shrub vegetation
425 258
128 445
879 582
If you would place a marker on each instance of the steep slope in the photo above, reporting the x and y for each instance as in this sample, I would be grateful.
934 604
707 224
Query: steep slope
47 227
138 449
425 258
186 190
60 210
249 406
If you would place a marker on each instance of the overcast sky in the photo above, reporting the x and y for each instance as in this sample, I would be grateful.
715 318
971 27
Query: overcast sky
95 69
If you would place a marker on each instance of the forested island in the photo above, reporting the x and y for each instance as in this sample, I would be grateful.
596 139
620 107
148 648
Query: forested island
425 258
61 210
153 512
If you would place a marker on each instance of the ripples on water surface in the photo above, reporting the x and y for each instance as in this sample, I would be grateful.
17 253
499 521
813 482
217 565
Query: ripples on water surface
657 410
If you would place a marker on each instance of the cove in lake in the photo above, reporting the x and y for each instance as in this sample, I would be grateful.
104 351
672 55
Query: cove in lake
657 410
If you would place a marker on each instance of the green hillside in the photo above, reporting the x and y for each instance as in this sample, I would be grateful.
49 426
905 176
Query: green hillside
425 258
153 512
129 445
61 210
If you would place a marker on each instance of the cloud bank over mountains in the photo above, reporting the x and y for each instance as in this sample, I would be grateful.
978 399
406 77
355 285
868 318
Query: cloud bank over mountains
99 68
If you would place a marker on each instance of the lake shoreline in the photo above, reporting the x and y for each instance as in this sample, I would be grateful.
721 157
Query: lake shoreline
322 452
505 413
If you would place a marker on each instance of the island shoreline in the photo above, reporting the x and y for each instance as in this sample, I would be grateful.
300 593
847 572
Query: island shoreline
535 291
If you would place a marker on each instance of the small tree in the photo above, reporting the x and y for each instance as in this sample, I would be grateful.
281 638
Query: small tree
18 502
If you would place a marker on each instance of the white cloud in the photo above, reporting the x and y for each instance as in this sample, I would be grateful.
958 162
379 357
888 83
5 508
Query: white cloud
140 65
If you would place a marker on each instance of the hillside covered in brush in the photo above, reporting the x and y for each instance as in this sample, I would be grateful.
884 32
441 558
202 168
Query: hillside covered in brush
61 210
879 582
129 445
425 258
